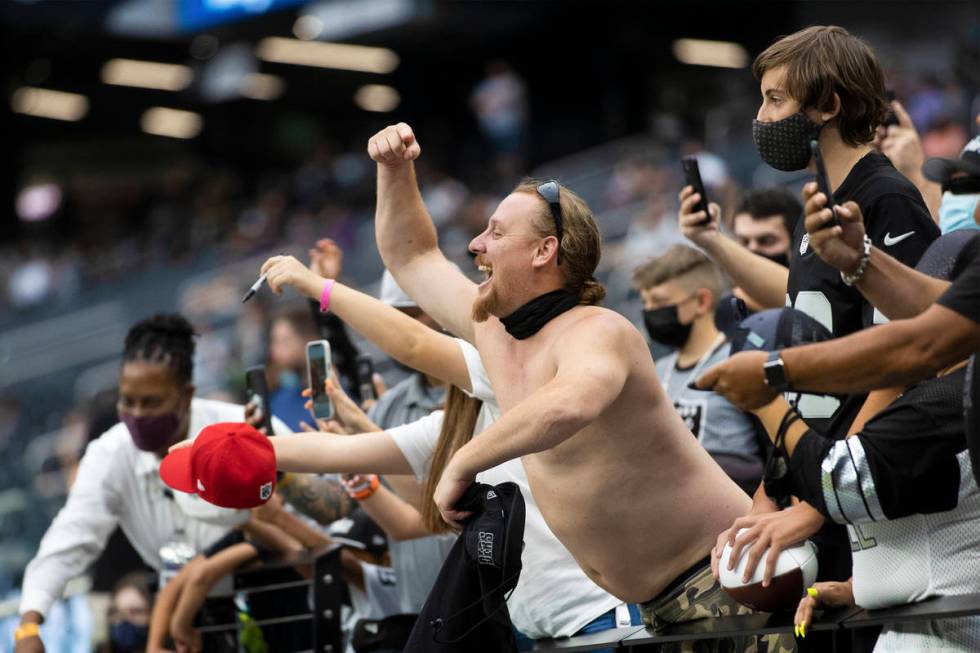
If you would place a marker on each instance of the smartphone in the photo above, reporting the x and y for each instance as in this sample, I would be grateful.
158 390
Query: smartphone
692 175
257 389
365 377
823 185
890 117
318 370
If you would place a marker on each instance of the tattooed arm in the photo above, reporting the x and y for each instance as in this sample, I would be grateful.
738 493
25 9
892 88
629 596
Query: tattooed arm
321 498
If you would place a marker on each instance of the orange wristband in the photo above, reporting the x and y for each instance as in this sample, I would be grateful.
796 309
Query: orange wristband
30 629
364 490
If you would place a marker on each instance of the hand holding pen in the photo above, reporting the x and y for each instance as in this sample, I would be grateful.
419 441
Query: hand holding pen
258 284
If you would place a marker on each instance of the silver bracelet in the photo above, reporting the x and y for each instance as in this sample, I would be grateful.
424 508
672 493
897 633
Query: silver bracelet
851 279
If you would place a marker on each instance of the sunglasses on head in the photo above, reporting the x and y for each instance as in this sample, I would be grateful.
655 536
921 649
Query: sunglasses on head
551 192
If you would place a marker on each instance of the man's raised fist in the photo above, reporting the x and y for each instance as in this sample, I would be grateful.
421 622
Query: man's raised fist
394 145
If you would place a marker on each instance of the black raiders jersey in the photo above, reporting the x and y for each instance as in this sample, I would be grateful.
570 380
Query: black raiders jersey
898 222
903 462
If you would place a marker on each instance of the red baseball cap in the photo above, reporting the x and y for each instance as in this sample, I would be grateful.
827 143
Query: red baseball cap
230 465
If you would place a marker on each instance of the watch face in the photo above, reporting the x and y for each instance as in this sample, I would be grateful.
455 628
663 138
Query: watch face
775 375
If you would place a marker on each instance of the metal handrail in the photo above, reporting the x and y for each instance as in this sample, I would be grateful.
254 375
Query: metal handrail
841 622
327 592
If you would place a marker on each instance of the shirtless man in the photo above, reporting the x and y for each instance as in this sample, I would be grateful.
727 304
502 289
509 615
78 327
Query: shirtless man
618 477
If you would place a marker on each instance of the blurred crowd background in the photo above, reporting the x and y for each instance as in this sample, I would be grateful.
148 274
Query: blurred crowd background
116 206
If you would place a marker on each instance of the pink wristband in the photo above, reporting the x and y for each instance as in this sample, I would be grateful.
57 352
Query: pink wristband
325 296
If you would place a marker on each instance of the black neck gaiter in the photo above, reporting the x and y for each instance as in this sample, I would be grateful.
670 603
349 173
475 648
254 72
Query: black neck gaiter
532 316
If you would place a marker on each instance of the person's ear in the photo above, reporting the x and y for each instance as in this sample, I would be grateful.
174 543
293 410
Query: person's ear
545 252
187 394
705 299
827 116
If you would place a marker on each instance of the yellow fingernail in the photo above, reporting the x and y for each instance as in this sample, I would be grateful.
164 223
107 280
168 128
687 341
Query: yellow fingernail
812 591
796 630
803 629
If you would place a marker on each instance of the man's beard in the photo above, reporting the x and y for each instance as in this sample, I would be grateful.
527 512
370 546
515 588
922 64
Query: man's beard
485 306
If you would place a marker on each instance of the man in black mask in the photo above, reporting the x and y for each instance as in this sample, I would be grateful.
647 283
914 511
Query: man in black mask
764 222
680 291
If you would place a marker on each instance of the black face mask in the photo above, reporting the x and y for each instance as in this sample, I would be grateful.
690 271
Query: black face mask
127 637
782 259
963 185
785 144
664 326
532 316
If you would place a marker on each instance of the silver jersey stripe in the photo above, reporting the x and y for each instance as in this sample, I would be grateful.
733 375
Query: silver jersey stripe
830 461
840 480
860 460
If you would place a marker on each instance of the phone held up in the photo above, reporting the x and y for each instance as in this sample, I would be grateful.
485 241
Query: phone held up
365 377
823 184
692 177
318 367
890 117
257 389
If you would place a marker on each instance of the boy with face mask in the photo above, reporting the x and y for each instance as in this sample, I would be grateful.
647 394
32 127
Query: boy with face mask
821 83
960 182
680 291
824 84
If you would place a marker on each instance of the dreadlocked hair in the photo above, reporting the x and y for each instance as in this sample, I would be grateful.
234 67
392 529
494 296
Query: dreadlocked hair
166 338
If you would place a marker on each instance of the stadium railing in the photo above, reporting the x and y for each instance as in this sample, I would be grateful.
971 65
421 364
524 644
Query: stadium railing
273 587
328 591
841 623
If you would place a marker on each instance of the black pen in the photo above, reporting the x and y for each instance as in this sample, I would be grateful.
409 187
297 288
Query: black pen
255 286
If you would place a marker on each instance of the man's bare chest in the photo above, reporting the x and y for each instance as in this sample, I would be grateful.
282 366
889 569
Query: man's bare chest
516 372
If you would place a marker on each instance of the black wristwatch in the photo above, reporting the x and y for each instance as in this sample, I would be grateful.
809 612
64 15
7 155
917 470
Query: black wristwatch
775 372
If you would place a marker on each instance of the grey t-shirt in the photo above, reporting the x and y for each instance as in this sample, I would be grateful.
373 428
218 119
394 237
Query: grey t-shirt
719 426
416 562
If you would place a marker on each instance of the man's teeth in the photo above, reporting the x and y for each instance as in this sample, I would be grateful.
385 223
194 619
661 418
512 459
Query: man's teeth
486 269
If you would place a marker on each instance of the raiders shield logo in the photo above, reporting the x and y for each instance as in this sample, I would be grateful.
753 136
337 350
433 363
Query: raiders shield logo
265 491
693 413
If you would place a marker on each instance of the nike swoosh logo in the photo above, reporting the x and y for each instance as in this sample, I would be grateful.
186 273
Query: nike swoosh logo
889 241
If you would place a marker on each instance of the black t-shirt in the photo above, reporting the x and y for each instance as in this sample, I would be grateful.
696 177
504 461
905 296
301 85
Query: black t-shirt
903 461
898 222
964 295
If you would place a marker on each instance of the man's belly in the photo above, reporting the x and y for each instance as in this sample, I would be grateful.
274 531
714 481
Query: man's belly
633 536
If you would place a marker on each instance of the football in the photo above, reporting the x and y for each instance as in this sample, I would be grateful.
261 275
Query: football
796 570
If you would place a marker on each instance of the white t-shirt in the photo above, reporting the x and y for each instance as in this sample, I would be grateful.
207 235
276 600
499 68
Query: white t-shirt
553 597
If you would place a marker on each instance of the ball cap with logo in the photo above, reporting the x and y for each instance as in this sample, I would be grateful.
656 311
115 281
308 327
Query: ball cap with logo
230 465
357 530
942 171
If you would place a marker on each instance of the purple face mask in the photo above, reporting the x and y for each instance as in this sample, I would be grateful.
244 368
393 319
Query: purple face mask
151 432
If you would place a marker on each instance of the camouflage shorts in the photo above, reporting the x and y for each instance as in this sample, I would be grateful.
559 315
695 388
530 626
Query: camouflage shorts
698 597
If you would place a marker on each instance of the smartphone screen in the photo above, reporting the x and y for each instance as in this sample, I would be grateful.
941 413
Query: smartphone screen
823 184
318 368
692 176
